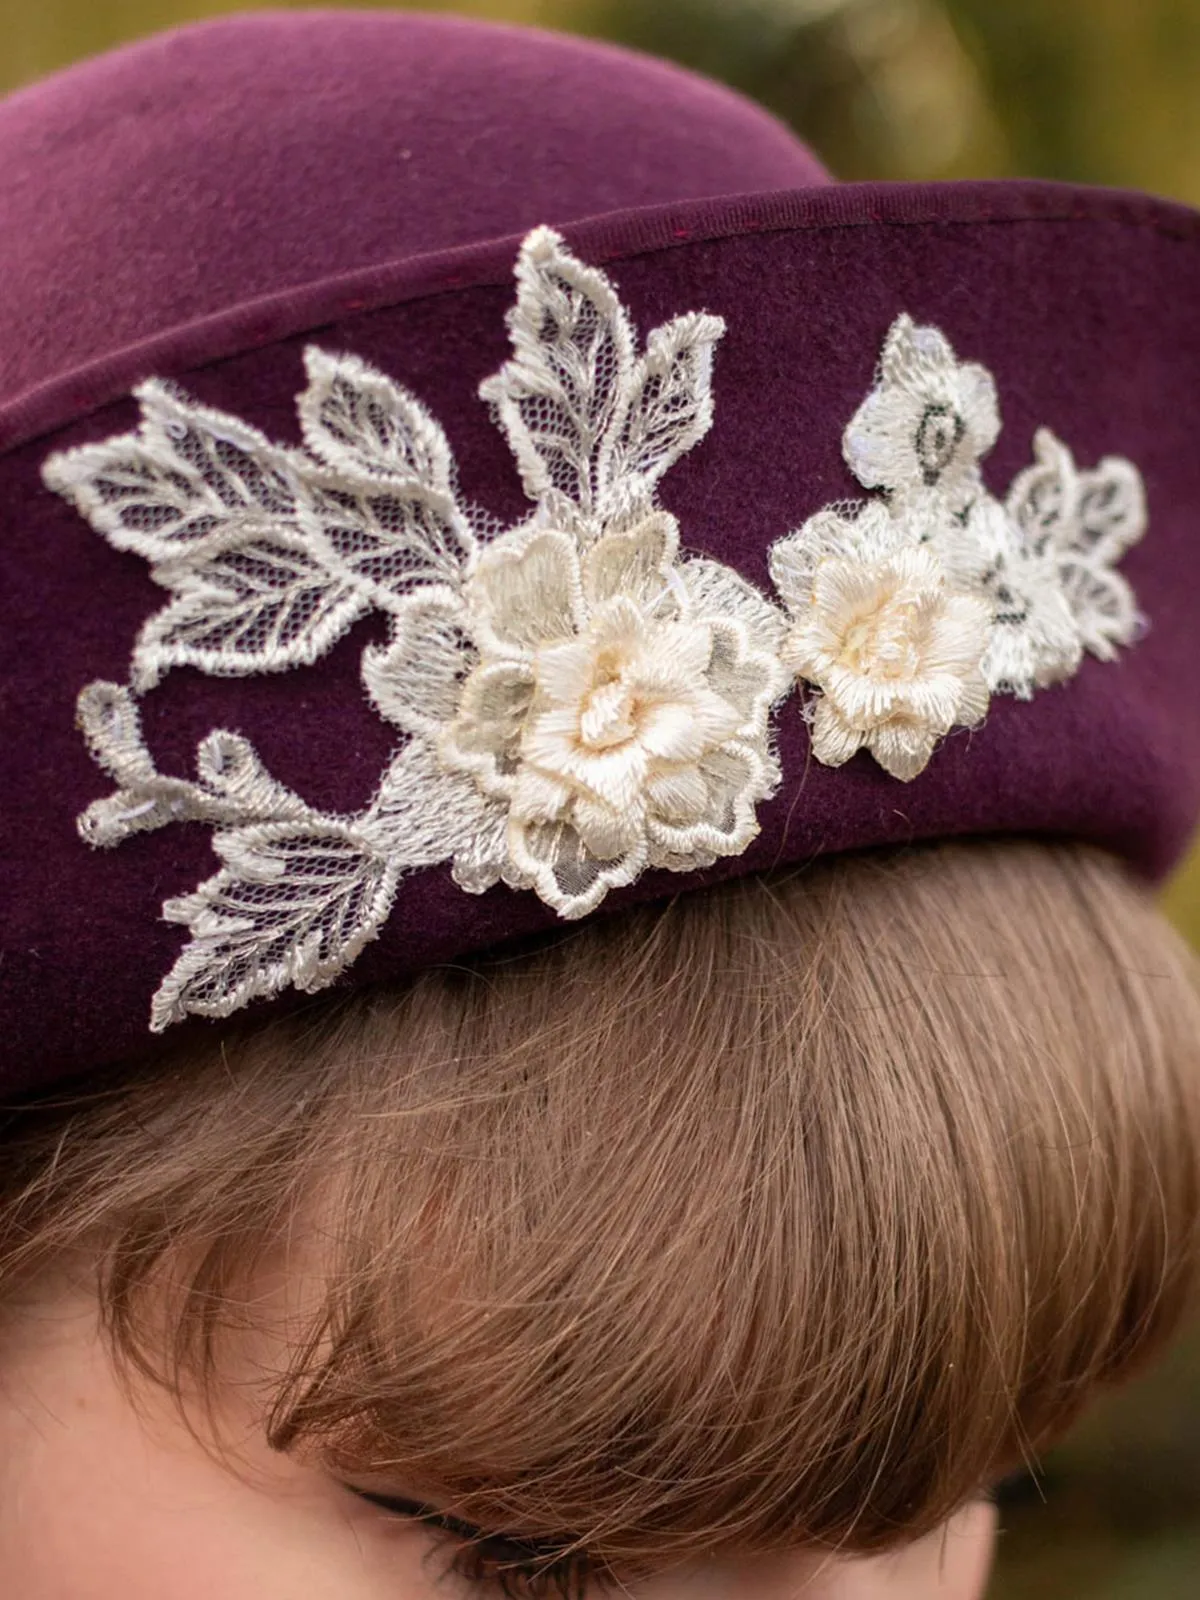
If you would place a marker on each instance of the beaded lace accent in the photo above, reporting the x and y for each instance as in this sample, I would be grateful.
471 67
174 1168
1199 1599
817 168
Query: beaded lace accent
580 699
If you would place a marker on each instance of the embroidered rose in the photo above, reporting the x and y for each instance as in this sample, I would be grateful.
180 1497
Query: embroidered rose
620 723
895 653
618 707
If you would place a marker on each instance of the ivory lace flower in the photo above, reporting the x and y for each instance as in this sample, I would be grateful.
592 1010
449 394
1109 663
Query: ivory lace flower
605 723
894 651
1045 557
620 720
922 431
618 706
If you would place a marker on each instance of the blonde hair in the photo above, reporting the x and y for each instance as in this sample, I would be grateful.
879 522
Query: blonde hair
786 1213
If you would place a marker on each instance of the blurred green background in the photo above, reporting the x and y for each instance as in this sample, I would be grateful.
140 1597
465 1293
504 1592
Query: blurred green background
1101 91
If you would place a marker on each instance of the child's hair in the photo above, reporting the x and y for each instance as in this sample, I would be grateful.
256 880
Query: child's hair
786 1213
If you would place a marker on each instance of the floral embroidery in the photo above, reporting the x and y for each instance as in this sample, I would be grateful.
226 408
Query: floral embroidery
1044 559
922 431
582 702
1083 522
876 628
910 611
580 699
613 708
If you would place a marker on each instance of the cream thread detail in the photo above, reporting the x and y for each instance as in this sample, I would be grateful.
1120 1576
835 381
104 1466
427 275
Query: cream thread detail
909 611
895 652
580 700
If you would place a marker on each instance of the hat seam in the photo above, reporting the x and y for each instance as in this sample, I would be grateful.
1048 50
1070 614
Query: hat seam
304 309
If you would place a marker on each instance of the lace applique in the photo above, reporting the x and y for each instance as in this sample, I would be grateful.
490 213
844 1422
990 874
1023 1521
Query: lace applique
582 702
894 650
909 611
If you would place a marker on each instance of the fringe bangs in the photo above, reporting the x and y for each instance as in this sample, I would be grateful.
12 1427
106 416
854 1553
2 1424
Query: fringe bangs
789 1214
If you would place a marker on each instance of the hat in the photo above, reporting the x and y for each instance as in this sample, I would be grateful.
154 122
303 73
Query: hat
459 479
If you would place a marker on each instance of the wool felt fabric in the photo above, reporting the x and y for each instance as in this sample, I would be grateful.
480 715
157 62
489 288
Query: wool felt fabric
220 163
1082 303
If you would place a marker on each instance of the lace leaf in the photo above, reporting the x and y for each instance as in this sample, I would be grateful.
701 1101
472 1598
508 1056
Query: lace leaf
189 476
1043 500
360 422
566 385
1112 517
293 904
385 538
271 556
231 769
250 606
1086 521
1096 514
145 799
107 716
1112 510
1103 606
668 409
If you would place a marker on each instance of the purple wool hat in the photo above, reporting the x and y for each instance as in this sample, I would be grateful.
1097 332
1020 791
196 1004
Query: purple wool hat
455 478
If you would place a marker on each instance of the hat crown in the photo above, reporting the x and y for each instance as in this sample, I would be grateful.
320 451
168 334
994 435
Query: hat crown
237 158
